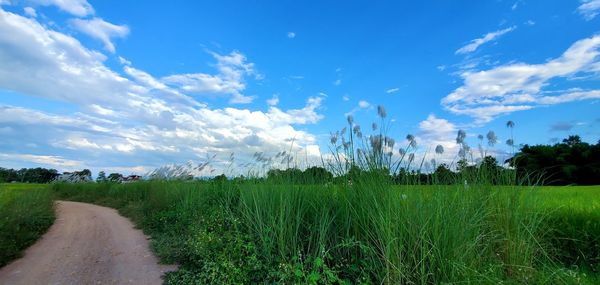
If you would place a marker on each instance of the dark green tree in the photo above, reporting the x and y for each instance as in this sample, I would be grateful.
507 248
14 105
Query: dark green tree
570 162
115 177
101 177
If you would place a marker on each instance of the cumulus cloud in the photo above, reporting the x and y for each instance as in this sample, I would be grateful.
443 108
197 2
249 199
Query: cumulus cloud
232 68
134 120
476 43
79 8
291 35
435 131
487 94
589 9
30 12
363 104
101 30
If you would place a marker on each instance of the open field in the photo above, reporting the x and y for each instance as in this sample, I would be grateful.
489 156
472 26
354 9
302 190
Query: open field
225 232
25 214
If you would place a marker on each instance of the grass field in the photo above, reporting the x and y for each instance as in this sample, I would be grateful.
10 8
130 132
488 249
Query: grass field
25 214
225 232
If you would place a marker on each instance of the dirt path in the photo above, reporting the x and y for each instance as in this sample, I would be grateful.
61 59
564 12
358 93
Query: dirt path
87 244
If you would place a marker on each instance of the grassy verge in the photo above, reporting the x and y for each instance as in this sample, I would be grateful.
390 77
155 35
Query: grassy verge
370 232
26 213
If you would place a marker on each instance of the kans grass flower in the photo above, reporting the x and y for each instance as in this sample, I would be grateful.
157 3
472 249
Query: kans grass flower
374 126
333 139
376 142
350 119
389 142
510 124
492 138
411 140
439 149
510 142
381 111
460 137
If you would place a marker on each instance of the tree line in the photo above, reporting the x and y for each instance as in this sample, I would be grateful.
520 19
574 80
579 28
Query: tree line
571 161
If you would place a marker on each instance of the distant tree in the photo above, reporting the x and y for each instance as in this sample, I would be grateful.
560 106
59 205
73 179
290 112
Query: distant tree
489 162
101 177
317 174
220 178
489 170
572 140
115 177
570 162
28 175
443 175
462 165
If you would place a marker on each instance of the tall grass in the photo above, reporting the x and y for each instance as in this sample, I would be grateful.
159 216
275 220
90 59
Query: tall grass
25 214
367 232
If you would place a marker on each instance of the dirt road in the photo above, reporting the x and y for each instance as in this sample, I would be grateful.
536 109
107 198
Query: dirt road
87 244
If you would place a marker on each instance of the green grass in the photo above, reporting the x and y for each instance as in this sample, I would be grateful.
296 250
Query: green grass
26 212
573 214
368 233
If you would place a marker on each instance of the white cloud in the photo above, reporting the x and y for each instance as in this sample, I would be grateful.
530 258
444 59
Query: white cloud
363 104
47 160
346 98
30 12
436 131
274 100
124 61
589 9
101 30
230 79
474 44
487 94
291 35
392 90
144 78
514 6
337 82
80 8
134 120
42 62
530 23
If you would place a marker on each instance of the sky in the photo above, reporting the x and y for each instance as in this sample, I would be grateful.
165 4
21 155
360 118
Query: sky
124 86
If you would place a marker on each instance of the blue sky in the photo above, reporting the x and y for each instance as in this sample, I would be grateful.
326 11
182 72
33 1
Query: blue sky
121 86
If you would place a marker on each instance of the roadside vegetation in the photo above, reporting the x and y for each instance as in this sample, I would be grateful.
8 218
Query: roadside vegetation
25 214
244 232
